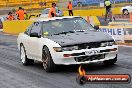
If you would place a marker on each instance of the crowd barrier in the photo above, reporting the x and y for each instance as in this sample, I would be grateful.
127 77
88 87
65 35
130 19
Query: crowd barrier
93 12
122 34
16 26
33 15
90 12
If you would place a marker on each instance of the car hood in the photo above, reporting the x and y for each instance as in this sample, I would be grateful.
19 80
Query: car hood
80 37
126 7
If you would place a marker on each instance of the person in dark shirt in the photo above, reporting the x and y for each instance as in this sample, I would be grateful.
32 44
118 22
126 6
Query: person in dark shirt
107 5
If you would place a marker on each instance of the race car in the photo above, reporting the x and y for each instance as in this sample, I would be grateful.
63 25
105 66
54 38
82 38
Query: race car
2 19
65 41
126 10
46 11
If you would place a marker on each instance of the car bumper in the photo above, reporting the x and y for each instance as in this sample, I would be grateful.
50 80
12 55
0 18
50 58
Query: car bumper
85 56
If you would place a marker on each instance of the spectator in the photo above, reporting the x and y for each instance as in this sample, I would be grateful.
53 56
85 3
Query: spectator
26 15
10 16
79 3
69 6
52 11
107 5
20 14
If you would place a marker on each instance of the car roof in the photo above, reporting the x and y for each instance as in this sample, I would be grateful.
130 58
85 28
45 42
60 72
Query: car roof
40 19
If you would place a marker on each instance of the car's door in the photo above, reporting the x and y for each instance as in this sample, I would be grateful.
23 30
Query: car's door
26 40
35 41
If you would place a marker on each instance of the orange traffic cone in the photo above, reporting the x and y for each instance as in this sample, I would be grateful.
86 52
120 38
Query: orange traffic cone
131 17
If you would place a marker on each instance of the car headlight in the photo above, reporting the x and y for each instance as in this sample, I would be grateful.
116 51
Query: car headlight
111 43
103 44
57 49
70 48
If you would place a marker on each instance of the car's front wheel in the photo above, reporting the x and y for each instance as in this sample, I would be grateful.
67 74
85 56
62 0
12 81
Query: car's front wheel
125 12
48 63
25 61
111 61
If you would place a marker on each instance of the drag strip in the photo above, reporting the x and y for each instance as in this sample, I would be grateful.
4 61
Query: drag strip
14 75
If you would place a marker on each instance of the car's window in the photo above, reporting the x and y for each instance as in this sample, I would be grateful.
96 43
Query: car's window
66 25
46 11
28 30
36 28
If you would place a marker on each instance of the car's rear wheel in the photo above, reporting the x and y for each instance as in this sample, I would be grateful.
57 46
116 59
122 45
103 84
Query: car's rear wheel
125 12
25 61
48 63
111 61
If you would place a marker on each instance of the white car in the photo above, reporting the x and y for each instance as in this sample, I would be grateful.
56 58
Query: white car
46 11
65 41
126 10
2 19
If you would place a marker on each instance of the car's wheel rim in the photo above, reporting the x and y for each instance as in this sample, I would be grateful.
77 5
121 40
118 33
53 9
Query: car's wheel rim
23 55
125 12
45 59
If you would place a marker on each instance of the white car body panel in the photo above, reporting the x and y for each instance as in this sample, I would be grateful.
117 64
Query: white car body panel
129 8
34 46
44 15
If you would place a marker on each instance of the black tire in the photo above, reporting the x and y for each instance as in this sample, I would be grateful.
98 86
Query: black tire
48 64
111 61
26 61
125 12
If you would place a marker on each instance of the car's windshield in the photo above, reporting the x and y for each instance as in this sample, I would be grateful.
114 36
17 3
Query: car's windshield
46 11
66 25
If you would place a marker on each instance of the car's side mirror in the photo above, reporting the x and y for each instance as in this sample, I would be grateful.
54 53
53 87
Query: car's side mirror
35 35
96 27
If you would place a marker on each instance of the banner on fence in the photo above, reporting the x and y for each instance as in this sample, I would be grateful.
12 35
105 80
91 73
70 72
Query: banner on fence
120 33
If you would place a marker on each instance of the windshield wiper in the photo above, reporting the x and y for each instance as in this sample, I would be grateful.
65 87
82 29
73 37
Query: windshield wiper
65 32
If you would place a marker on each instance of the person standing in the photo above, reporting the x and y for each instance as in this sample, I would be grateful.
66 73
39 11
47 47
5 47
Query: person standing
107 5
20 14
10 16
52 11
70 8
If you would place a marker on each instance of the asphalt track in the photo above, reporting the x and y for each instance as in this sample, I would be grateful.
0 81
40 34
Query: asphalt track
14 75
